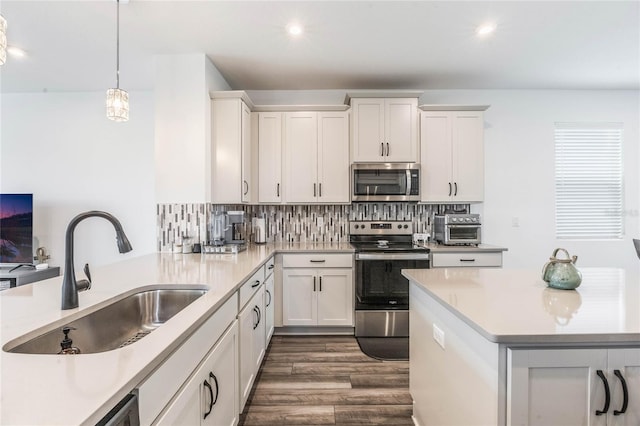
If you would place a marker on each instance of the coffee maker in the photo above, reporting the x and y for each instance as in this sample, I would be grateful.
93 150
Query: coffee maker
235 230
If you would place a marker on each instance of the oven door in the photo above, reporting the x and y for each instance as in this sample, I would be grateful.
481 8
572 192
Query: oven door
379 282
462 234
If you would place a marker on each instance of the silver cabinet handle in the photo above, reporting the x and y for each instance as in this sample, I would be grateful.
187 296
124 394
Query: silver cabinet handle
319 190
320 283
246 185
388 151
277 190
455 192
317 261
314 189
450 189
314 283
381 149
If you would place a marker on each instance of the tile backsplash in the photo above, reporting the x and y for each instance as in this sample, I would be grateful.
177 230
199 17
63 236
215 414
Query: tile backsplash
288 223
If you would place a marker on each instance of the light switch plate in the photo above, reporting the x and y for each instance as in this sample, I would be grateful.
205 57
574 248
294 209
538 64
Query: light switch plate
438 335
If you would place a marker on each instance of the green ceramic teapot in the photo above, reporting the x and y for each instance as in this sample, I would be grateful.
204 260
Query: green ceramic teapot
560 273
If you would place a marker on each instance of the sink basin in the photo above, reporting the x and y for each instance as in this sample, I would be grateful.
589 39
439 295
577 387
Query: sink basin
118 324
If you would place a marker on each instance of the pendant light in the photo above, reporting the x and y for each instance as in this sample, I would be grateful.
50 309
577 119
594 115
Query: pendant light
117 99
3 40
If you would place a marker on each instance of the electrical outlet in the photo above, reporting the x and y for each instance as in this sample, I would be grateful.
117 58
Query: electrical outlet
438 335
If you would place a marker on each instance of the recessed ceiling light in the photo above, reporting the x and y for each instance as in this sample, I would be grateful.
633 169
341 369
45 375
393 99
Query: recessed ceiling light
485 29
16 52
294 29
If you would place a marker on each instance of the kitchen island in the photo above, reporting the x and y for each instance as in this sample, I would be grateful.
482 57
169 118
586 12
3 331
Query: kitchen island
498 347
81 389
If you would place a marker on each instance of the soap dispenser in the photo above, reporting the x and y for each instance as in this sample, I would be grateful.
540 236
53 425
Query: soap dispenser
67 344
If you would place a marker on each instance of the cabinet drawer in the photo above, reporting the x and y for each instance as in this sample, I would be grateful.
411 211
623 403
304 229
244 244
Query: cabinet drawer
471 259
319 260
250 287
269 267
159 388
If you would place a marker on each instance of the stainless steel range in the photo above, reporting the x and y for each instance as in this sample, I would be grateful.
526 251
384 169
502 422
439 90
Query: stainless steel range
383 249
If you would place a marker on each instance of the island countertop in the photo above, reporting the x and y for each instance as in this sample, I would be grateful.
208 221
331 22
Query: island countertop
515 306
64 390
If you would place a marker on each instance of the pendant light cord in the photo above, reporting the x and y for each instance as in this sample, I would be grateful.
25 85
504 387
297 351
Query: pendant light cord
118 45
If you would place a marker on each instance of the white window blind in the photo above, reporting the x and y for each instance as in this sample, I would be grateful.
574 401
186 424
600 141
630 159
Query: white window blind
588 180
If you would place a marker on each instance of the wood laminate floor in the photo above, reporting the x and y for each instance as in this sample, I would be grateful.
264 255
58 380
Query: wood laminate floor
327 380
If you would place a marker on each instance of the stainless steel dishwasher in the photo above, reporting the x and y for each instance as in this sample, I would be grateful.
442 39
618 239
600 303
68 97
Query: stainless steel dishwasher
126 413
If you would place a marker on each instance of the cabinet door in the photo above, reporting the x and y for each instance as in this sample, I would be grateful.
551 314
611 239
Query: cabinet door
368 130
468 156
401 130
249 346
435 156
556 387
627 363
335 297
247 152
299 297
259 330
269 307
333 157
301 156
220 371
226 151
270 157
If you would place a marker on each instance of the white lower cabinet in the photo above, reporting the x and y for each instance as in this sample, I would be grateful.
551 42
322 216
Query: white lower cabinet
573 387
466 258
159 391
252 343
317 297
209 397
269 307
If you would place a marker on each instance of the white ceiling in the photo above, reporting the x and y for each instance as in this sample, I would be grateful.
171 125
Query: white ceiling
346 44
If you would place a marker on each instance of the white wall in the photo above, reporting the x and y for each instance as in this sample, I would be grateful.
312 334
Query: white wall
183 126
63 149
519 160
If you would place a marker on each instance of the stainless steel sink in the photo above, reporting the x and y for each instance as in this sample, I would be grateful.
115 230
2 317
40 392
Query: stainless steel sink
118 324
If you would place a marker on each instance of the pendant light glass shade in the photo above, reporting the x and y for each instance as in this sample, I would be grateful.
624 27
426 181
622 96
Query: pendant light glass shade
117 99
117 105
3 40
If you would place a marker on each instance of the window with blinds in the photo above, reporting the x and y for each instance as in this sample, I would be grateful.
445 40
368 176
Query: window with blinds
588 180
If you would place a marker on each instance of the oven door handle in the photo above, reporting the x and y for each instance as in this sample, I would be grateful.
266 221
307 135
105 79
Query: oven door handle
392 256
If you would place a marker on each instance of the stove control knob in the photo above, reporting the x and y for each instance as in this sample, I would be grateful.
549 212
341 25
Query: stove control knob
468 220
399 226
454 219
405 226
356 226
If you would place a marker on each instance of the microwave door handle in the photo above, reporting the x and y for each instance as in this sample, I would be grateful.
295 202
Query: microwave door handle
408 182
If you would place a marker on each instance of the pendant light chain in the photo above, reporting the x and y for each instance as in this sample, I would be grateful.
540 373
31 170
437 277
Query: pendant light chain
118 44
117 99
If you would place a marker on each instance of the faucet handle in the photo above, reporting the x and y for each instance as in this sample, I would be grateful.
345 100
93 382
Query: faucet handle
87 273
85 284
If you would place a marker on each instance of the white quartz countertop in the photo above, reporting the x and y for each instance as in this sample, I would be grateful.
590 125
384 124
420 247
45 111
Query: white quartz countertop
66 390
516 306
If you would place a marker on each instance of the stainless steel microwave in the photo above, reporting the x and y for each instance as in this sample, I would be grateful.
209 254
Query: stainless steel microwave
385 182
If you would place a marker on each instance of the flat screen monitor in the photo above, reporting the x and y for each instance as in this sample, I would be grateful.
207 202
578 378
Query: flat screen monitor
16 228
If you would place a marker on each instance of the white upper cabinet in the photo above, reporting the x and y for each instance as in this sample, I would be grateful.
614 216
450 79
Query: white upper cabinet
317 157
301 154
452 156
231 151
270 188
385 130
